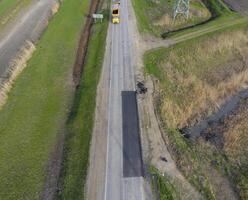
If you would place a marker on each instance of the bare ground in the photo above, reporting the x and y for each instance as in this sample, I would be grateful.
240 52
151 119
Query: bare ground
97 165
83 43
154 146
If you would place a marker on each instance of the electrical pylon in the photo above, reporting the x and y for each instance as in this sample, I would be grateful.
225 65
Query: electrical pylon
181 8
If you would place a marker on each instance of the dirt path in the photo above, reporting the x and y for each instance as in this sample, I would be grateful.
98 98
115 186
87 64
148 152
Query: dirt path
83 43
28 26
153 43
97 165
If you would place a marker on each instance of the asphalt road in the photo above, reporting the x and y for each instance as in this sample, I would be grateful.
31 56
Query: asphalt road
132 155
121 79
28 26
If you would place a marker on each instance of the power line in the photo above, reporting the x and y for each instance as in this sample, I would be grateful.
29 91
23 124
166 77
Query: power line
181 8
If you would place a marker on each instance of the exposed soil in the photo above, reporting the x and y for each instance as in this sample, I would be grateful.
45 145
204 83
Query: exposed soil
238 5
83 43
53 169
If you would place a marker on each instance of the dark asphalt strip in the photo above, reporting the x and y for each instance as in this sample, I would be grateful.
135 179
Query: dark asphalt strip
132 157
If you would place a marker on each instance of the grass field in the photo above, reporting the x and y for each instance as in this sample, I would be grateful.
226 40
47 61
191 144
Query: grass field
156 17
203 76
81 121
9 9
195 77
38 105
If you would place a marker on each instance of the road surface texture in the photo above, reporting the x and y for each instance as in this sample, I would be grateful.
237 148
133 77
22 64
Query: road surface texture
106 178
27 27
132 156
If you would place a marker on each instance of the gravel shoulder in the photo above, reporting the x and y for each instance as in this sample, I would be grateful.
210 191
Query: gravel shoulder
97 164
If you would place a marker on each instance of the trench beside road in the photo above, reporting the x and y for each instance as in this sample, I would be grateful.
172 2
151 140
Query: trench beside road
123 177
27 27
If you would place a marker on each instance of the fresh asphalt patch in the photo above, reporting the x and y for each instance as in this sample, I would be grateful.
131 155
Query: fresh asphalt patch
132 157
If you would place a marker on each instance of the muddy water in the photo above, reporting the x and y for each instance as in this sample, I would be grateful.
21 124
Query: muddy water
226 109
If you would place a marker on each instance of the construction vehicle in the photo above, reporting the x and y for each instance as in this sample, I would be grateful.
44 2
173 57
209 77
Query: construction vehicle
116 13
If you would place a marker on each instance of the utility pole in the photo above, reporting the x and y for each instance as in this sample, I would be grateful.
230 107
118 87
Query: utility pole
181 8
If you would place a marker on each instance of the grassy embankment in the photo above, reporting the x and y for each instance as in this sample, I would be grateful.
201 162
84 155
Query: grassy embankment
153 18
222 18
195 77
156 17
80 122
9 9
38 104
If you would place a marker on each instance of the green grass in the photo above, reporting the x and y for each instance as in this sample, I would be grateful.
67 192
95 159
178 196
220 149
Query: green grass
81 121
162 186
149 11
9 9
37 106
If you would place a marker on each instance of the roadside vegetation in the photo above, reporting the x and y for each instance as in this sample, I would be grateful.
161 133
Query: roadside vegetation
162 187
9 9
195 78
38 104
80 123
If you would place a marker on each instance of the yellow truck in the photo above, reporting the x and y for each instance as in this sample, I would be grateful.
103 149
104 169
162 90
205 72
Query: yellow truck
116 13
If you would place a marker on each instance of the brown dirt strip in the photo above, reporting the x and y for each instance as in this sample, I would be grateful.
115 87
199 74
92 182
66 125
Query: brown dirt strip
83 44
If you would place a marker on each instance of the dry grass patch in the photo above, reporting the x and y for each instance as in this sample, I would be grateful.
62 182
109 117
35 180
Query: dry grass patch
156 16
198 77
198 13
16 67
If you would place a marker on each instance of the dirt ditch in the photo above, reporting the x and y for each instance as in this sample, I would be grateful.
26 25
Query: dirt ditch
83 43
216 131
202 128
